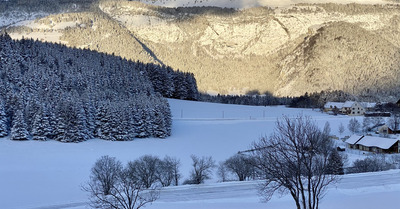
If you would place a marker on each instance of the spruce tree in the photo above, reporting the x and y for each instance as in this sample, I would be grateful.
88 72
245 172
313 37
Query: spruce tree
335 163
3 121
19 130
38 132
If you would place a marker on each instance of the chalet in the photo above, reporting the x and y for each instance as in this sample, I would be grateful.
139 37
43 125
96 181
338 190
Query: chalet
353 108
385 129
369 106
348 108
333 106
352 141
374 144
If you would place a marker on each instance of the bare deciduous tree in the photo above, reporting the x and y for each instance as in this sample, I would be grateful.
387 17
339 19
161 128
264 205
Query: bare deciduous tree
366 125
394 121
105 173
327 128
354 126
167 172
341 129
202 168
294 160
222 171
370 164
241 165
145 169
126 191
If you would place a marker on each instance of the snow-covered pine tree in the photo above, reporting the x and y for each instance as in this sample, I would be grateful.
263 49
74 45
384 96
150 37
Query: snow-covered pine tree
335 163
59 129
159 129
139 122
164 108
103 121
3 120
74 119
35 75
122 132
180 85
192 92
90 112
38 127
19 128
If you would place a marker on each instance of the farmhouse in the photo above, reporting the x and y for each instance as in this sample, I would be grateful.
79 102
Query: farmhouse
368 106
374 144
333 106
353 108
349 107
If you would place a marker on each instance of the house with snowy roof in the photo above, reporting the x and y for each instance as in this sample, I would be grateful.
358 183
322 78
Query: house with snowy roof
369 106
331 106
353 108
374 144
347 108
352 141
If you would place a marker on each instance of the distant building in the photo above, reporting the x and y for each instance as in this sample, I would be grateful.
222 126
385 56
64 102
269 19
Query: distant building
374 144
335 107
353 108
369 106
348 108
385 130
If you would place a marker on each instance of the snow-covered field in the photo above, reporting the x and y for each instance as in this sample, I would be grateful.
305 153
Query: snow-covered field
47 175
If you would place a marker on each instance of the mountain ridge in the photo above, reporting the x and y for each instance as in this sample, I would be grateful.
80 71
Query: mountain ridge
235 51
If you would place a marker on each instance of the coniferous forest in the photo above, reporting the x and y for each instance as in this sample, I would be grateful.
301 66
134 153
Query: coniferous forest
52 92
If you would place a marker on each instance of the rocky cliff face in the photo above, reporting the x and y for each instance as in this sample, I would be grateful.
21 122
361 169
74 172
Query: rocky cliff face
287 51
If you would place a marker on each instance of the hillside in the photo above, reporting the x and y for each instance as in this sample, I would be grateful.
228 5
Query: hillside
51 92
286 50
341 56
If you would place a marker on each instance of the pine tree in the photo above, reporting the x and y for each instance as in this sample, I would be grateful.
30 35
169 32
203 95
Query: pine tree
140 123
38 127
3 121
59 87
19 129
335 164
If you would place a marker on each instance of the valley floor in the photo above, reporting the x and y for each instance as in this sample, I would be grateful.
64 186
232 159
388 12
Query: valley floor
47 175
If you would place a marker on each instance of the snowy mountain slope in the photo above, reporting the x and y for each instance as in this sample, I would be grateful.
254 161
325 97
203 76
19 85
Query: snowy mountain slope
47 175
233 51
14 17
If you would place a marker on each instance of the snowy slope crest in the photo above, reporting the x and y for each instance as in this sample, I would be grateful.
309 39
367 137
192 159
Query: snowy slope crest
250 3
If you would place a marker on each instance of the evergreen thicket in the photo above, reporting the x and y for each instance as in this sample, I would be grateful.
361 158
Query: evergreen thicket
255 100
50 91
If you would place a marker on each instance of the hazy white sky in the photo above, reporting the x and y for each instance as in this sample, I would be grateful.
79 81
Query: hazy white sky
253 3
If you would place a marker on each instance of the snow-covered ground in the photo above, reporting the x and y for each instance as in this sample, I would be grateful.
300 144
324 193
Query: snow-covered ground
47 175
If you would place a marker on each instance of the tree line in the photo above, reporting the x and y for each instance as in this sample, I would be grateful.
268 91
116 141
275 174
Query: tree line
250 99
50 91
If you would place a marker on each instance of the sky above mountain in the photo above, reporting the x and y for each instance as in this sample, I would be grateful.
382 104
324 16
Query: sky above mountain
252 3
